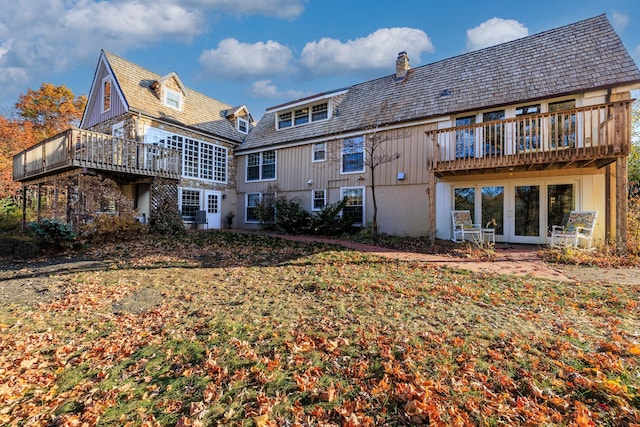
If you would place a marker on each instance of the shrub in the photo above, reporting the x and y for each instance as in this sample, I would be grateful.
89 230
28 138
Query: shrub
329 222
167 222
291 217
10 215
53 234
113 228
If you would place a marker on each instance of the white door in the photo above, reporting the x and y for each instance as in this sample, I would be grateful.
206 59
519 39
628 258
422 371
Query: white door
212 206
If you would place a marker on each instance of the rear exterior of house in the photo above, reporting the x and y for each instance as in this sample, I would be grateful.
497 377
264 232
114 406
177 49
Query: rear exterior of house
164 145
519 134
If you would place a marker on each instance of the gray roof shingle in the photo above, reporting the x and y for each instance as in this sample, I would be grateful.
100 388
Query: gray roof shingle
199 112
583 56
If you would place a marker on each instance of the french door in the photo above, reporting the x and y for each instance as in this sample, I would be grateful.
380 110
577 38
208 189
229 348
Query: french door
519 212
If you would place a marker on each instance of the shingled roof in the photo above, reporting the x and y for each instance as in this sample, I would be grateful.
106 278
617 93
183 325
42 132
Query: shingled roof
579 57
199 111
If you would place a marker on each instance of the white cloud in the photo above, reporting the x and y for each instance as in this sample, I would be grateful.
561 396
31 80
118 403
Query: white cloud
266 89
234 59
378 50
286 9
494 31
619 20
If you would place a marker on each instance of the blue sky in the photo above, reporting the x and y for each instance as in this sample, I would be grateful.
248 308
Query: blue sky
262 53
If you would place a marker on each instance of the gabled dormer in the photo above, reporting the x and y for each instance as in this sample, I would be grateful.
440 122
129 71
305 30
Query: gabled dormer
240 118
170 91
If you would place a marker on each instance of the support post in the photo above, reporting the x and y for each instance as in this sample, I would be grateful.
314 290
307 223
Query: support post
622 205
23 227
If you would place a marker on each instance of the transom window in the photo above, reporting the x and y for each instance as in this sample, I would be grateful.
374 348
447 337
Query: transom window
303 115
173 99
320 152
261 166
200 159
353 155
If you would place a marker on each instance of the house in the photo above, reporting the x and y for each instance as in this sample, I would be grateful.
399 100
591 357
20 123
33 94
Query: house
163 144
520 134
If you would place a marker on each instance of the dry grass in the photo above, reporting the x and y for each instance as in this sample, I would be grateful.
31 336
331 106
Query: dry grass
223 329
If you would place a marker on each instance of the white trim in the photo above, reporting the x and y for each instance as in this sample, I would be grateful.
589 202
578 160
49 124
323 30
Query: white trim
102 94
313 198
364 201
246 125
364 159
307 101
261 166
313 152
180 99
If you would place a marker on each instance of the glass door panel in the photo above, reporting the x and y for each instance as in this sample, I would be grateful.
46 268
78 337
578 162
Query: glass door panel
560 202
493 208
464 199
527 210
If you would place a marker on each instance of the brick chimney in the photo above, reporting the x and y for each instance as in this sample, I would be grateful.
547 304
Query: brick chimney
402 65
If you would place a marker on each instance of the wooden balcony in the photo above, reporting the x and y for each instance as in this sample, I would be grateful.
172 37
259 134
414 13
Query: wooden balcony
81 149
582 137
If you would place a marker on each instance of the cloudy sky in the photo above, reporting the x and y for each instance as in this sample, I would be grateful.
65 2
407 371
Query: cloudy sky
261 53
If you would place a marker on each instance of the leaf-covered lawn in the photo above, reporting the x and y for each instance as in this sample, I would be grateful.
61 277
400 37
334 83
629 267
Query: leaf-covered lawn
225 329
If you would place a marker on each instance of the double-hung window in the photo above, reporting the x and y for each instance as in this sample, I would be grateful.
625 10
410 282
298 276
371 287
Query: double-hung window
261 166
354 207
563 124
173 99
319 199
189 203
528 128
260 201
353 155
320 152
243 126
319 112
465 137
284 120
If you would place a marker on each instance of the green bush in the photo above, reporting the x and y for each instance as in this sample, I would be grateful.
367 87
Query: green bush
291 217
10 215
167 222
329 222
113 228
53 234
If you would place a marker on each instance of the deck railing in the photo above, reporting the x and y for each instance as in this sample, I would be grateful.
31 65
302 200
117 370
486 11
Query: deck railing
77 148
577 135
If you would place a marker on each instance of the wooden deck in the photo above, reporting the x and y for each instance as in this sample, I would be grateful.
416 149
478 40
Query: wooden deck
582 137
80 149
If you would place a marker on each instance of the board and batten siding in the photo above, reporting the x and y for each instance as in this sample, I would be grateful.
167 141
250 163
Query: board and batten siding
95 114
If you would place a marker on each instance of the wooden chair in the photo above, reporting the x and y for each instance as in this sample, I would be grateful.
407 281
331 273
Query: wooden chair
464 228
579 228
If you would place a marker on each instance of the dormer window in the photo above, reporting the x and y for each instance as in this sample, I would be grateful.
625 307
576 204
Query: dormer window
243 126
173 99
303 115
106 94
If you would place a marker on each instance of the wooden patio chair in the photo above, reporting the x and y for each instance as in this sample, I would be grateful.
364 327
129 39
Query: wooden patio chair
579 228
464 228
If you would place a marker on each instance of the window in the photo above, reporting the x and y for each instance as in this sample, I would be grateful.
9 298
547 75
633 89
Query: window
243 126
189 203
465 141
262 201
106 94
353 155
320 152
303 115
528 128
284 120
200 159
173 99
563 124
319 199
319 112
261 166
354 208
117 130
493 133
